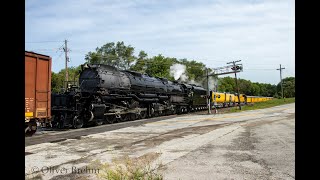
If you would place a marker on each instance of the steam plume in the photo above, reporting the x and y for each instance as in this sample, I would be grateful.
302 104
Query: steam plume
178 71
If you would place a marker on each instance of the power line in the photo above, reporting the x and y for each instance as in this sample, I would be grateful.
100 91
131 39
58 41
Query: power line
53 49
60 55
261 69
43 41
48 49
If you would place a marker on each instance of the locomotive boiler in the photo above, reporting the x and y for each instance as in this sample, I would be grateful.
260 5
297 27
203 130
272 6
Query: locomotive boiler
107 95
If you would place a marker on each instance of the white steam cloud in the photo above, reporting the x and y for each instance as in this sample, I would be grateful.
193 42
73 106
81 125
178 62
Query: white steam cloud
213 83
178 71
194 82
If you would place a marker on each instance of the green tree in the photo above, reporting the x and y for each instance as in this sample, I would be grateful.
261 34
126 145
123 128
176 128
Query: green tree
159 66
263 89
58 79
226 84
271 90
56 82
254 89
114 54
194 70
288 87
141 63
244 86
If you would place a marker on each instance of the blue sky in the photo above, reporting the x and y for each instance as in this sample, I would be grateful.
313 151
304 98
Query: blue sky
259 32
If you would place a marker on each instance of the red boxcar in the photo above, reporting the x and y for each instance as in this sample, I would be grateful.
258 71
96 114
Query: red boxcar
37 91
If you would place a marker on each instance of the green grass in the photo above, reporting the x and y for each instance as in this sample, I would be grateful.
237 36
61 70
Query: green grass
266 104
129 169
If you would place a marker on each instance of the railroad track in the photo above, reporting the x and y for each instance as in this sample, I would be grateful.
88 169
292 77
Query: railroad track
57 135
61 135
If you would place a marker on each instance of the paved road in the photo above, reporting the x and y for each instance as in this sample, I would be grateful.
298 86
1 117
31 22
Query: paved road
257 144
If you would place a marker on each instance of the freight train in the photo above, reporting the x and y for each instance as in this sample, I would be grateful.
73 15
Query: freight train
37 91
106 95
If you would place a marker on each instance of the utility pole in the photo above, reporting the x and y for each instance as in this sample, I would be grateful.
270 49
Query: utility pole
228 70
208 92
67 59
235 74
281 80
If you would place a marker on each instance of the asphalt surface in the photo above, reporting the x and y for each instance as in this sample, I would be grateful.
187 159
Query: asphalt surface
257 144
55 135
263 148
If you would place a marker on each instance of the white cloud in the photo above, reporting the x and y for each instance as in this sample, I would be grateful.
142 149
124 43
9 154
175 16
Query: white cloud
261 33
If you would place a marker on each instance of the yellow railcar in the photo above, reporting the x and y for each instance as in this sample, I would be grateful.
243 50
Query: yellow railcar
227 99
230 99
222 99
252 99
219 99
235 99
256 99
242 98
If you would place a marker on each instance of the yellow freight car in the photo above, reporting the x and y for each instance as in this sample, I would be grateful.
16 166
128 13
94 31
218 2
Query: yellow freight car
218 99
242 99
224 99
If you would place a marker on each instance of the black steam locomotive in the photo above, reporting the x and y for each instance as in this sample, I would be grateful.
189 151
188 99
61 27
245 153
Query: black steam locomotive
107 95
